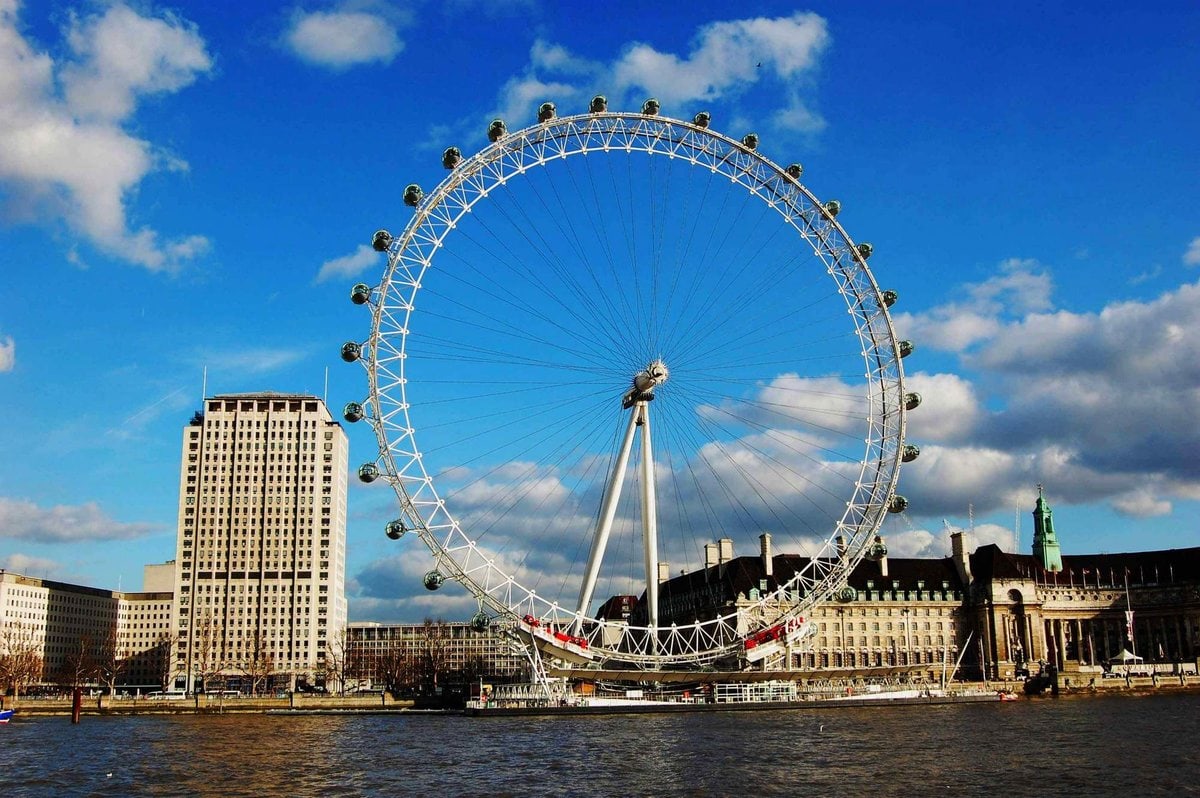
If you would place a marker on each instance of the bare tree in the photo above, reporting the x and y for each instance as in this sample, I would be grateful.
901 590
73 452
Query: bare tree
162 658
340 659
206 661
396 668
258 664
110 661
20 657
79 664
434 651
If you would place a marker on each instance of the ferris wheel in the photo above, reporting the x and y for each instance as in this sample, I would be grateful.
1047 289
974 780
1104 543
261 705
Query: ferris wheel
609 353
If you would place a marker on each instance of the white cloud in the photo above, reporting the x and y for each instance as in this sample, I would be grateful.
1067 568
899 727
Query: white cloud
30 566
1192 256
342 39
252 361
1099 406
65 155
949 411
348 266
725 57
957 326
1141 504
8 354
24 520
123 55
725 60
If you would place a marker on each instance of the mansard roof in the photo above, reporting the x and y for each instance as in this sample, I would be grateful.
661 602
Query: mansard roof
741 574
1144 567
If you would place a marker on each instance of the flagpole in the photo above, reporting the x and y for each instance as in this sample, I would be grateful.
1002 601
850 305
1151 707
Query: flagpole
1129 615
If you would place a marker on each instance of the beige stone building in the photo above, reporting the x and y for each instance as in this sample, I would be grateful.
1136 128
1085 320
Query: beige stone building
454 649
61 621
261 553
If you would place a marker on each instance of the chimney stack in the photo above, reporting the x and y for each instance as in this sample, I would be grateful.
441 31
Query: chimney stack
725 546
841 547
767 558
962 562
710 555
664 571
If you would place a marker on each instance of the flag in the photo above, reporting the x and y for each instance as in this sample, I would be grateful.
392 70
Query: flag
1129 624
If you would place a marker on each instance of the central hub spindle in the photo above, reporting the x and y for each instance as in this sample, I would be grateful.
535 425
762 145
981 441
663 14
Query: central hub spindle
644 383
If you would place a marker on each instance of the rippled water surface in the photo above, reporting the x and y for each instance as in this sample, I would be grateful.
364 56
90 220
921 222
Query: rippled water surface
1120 746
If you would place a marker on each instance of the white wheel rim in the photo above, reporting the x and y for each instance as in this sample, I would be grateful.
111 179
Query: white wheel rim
459 555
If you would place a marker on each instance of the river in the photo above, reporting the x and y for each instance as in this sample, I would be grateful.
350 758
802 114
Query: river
1122 745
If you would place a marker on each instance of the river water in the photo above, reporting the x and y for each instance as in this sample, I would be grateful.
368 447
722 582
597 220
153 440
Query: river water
1122 745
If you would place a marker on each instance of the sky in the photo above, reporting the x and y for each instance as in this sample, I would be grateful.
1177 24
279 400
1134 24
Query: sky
188 191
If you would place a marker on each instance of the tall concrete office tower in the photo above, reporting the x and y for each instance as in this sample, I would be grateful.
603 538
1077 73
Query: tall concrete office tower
261 554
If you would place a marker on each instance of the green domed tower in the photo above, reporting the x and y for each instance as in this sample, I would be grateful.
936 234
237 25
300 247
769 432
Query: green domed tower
1045 545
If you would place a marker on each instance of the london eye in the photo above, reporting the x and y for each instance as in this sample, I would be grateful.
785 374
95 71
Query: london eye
609 345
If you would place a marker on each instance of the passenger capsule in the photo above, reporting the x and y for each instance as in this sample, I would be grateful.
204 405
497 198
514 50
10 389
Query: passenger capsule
480 622
497 130
911 452
360 294
889 298
878 550
898 504
833 208
368 472
847 594
451 157
702 119
413 195
912 401
433 580
650 107
351 351
907 348
381 241
395 529
794 171
546 112
750 141
353 412
599 104
865 250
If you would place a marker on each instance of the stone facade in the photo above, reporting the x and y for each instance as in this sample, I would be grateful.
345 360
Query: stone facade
261 553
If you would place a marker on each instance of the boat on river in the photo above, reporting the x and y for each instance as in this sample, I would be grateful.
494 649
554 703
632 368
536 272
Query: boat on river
556 699
6 715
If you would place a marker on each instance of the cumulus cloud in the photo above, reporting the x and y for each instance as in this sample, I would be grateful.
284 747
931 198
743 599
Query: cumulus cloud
30 566
64 151
24 520
950 410
725 57
724 61
926 543
8 354
343 39
1141 504
1100 406
348 266
1192 256
1020 286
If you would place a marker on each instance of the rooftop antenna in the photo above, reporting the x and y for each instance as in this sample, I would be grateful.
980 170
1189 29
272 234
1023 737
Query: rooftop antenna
203 386
325 397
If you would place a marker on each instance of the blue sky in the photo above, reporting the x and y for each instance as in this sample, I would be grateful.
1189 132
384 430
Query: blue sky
192 186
